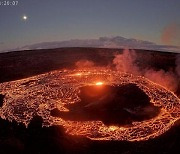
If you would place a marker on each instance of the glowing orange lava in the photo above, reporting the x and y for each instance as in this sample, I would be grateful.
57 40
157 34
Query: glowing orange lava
78 74
40 94
99 83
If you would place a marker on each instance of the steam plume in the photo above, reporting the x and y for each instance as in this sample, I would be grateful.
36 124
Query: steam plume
170 34
127 62
84 64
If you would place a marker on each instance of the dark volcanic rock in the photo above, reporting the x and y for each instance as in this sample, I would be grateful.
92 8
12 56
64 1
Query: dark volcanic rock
1 100
21 64
119 105
15 138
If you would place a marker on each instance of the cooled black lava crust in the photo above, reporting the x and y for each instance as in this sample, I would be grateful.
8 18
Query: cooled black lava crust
113 105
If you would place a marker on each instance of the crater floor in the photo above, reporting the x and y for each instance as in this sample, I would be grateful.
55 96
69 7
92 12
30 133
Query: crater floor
97 104
113 105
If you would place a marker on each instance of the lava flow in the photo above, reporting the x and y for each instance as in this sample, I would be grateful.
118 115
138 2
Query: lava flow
40 95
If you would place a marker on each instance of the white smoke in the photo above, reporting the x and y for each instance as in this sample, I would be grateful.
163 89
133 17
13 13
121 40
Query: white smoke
84 64
166 79
127 62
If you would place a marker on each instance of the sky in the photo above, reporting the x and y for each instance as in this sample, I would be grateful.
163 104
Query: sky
156 21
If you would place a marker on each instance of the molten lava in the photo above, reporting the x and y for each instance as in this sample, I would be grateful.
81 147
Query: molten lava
99 83
39 95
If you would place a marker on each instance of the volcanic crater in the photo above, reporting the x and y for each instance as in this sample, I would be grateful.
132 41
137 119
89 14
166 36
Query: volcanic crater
112 104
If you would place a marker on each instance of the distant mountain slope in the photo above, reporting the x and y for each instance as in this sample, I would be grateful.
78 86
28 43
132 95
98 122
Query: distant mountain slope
101 42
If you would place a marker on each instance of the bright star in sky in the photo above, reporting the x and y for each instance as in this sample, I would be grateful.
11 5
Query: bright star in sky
24 17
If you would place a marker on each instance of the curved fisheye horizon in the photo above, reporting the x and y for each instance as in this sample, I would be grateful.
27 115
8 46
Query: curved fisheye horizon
89 76
63 22
118 42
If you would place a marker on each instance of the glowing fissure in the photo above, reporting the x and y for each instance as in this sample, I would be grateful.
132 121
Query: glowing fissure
40 94
99 83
